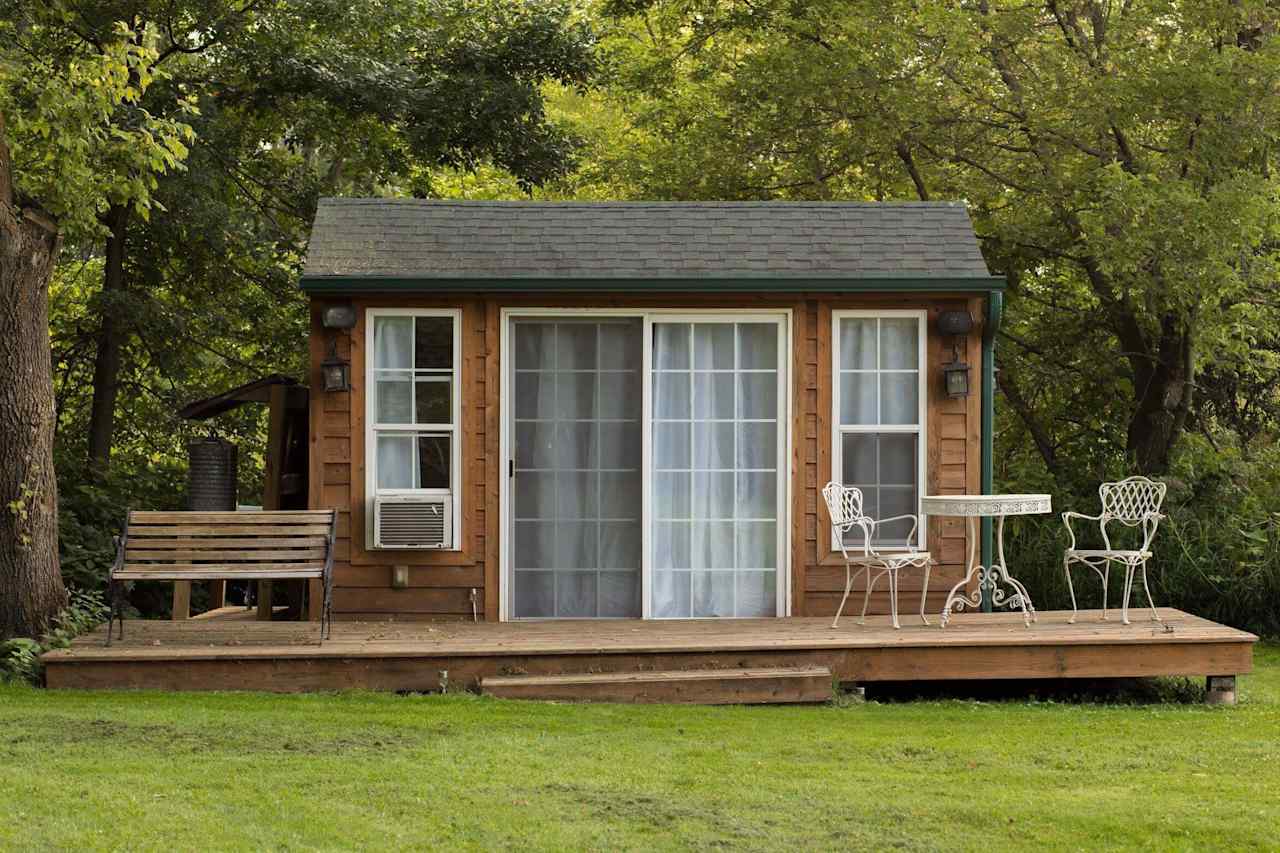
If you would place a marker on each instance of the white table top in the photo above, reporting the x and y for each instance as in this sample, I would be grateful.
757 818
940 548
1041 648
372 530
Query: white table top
986 505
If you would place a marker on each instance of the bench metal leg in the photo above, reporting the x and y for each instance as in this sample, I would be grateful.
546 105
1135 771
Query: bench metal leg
115 593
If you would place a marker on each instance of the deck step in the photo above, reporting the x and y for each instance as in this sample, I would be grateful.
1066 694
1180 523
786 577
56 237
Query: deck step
749 686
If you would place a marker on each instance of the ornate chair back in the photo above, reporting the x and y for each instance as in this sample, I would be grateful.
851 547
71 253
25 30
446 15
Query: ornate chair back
1131 501
844 505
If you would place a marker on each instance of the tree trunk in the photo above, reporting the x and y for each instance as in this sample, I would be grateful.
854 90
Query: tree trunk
1163 392
106 367
31 590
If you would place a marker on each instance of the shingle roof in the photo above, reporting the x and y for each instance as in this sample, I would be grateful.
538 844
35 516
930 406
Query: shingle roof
444 241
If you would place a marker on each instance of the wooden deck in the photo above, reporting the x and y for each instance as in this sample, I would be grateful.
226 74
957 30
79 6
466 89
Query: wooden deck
232 654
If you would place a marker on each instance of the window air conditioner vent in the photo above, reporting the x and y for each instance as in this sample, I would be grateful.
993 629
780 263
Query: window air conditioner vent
412 521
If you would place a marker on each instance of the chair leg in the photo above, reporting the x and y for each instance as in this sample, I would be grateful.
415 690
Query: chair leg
1106 585
1066 569
924 592
1128 588
1155 614
848 585
868 582
893 597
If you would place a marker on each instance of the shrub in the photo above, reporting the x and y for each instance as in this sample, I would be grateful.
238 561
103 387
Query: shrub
20 657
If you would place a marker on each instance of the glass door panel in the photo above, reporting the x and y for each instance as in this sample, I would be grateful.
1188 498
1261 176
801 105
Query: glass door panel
576 545
715 469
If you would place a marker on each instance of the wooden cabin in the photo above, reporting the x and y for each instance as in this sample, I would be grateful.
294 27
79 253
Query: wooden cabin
599 410
600 432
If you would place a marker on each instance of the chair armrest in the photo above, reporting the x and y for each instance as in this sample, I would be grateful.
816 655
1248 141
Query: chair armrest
1066 520
915 523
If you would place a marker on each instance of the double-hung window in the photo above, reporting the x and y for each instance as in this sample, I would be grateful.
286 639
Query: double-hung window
413 405
879 413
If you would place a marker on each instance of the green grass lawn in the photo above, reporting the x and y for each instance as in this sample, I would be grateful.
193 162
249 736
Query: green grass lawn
253 771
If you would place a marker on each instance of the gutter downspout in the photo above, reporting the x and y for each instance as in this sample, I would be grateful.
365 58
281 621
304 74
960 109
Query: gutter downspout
995 309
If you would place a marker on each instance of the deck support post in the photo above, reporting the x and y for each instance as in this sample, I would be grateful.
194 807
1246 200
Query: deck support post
1220 690
181 601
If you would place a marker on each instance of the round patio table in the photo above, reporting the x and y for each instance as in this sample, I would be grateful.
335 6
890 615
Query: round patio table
996 576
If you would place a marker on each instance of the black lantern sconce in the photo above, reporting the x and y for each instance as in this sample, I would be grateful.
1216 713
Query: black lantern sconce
335 370
955 373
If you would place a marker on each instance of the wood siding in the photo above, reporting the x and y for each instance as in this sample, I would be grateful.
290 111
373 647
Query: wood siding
441 583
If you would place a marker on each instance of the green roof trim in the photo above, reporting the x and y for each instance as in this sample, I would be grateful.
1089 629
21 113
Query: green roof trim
699 284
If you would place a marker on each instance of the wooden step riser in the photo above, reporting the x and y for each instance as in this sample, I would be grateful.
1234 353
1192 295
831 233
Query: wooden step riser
706 687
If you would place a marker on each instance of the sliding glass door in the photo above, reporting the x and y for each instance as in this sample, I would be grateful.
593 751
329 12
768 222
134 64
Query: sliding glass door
576 490
648 465
717 400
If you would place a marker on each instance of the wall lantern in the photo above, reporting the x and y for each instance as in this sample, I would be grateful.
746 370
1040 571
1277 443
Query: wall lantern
338 317
955 373
335 370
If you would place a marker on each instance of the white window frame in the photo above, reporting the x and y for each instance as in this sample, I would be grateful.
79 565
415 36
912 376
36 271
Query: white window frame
919 429
649 316
453 429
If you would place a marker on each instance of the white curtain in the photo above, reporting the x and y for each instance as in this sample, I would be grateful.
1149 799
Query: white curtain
715 469
577 536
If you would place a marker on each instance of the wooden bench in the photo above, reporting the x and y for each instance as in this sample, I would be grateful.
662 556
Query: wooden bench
222 546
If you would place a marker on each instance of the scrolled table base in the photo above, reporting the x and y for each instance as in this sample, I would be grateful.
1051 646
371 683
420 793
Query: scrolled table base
989 578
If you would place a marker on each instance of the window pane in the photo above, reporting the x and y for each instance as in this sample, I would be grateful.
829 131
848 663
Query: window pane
620 345
899 343
712 546
858 398
576 346
577 496
576 594
671 495
395 461
758 446
393 342
757 547
575 445
535 345
433 342
537 598
535 395
713 445
712 594
758 395
620 445
858 343
758 346
433 462
898 460
713 396
619 396
899 398
671 346
671 395
757 495
670 595
757 593
671 446
713 346
394 403
619 593
712 494
575 395
858 459
434 401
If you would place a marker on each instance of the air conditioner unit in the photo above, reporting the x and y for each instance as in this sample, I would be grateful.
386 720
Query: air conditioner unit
412 521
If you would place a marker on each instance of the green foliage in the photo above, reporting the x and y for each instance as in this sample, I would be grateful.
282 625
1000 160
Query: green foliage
77 131
20 657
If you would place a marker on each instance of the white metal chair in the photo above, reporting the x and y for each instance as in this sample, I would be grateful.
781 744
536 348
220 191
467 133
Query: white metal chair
1134 502
844 504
